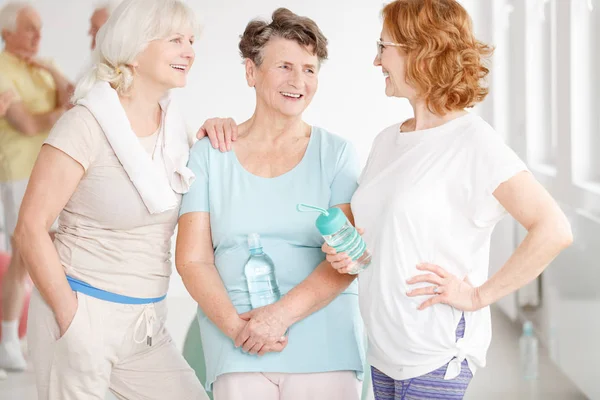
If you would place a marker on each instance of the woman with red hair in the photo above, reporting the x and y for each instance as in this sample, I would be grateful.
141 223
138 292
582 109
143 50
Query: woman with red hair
433 189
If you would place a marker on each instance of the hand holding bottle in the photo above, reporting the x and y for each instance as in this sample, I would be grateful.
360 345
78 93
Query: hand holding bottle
341 262
339 234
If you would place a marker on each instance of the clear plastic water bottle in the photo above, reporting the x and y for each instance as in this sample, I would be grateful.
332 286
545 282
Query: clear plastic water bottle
339 233
528 345
260 275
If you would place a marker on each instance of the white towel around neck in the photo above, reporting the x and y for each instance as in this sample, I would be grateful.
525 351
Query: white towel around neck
156 180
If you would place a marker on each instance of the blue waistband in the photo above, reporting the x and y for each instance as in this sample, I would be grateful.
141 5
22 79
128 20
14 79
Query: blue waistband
82 287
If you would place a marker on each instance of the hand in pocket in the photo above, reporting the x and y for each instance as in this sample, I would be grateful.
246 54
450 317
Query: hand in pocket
66 316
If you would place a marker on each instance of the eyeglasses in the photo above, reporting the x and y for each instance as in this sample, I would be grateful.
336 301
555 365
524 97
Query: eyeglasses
381 44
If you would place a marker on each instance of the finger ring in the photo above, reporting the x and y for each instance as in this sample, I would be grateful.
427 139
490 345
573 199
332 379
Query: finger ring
436 290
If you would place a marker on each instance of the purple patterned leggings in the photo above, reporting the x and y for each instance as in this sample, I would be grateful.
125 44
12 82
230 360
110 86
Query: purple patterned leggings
425 387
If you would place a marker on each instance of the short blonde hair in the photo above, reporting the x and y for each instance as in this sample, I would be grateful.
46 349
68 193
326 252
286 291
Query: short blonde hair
128 31
445 63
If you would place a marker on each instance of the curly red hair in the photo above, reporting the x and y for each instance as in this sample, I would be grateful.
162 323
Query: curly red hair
445 63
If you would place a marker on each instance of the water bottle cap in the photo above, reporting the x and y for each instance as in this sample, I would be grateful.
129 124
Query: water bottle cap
329 222
254 241
528 328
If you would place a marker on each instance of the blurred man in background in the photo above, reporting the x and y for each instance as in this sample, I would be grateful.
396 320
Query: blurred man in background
99 18
41 95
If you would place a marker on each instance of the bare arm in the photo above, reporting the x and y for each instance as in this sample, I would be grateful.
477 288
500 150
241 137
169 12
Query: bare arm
195 261
320 288
64 88
548 233
6 98
53 181
32 124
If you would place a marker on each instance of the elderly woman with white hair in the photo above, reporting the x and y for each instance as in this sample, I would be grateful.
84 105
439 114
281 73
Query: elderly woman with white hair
114 168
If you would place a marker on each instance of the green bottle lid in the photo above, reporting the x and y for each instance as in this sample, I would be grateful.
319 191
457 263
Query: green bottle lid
329 222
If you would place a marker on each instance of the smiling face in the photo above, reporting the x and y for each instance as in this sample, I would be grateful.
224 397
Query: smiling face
287 78
393 67
166 62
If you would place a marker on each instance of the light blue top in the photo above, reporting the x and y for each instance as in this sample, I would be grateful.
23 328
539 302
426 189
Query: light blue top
240 203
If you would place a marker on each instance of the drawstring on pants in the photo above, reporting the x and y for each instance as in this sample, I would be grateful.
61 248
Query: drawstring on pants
148 315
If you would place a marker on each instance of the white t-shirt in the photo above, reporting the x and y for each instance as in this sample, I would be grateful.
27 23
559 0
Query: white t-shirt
427 196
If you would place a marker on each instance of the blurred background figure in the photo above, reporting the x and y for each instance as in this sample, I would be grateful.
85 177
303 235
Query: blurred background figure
40 95
99 18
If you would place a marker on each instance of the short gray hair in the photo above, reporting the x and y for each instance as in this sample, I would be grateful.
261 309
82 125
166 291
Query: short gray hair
286 25
129 29
9 14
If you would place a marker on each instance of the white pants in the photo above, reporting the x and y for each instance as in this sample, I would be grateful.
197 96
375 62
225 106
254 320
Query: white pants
337 385
11 197
105 348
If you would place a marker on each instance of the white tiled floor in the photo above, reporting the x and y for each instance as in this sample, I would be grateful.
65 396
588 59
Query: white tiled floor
499 380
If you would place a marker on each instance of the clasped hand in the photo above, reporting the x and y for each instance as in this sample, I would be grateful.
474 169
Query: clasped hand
264 330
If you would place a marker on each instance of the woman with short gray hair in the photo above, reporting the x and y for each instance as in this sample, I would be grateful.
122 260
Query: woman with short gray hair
114 168
311 340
